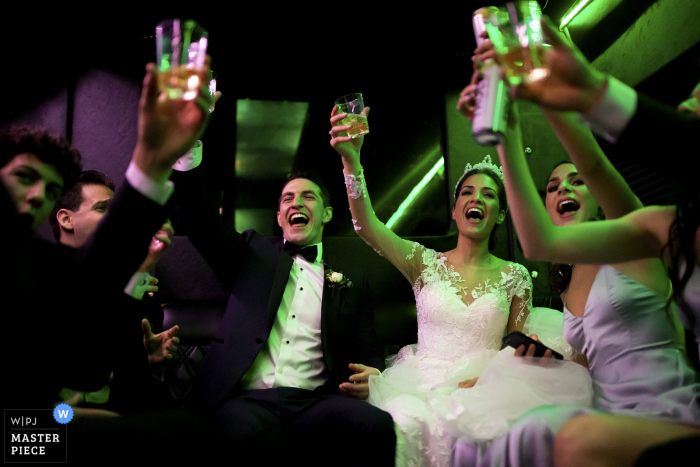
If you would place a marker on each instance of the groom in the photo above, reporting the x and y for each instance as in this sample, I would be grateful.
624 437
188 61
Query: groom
281 368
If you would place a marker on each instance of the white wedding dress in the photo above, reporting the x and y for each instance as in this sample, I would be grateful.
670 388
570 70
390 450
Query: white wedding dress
459 338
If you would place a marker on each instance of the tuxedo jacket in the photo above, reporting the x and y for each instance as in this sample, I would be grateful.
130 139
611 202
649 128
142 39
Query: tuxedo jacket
256 271
61 323
656 133
133 387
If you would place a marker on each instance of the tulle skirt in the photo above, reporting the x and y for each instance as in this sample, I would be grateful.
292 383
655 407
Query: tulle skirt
430 412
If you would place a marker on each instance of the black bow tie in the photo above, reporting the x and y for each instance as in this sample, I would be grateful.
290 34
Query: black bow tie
309 253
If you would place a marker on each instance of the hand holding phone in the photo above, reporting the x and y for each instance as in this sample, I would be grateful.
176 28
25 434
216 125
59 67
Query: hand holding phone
516 338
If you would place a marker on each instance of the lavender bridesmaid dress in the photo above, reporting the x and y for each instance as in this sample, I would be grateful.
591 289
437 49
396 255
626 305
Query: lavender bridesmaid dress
635 364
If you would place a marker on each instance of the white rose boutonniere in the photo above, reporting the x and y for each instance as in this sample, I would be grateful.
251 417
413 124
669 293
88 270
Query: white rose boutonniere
337 279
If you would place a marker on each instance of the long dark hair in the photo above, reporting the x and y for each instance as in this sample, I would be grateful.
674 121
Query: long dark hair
502 201
560 276
681 248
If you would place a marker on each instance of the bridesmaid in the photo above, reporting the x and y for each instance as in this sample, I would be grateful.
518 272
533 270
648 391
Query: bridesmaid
628 334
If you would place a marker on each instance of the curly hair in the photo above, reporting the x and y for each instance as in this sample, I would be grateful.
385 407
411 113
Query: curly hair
50 149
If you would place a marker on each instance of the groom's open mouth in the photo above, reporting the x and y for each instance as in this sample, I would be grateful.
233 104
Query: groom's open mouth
299 219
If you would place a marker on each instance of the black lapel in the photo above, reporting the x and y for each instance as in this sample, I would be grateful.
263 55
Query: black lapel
284 265
330 304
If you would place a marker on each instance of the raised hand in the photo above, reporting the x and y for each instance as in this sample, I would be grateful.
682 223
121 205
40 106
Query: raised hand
358 387
347 147
168 128
467 98
159 245
159 346
573 83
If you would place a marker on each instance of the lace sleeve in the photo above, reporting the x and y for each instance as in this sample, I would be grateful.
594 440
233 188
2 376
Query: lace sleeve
404 255
519 286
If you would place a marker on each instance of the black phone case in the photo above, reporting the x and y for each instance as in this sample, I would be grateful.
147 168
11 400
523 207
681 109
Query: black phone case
516 338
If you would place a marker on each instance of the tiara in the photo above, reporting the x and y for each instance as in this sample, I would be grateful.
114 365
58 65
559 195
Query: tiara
485 164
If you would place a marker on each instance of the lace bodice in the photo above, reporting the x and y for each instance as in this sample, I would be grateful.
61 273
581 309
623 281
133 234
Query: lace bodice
449 328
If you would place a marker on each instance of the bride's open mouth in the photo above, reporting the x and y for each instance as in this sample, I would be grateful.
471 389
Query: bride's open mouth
475 215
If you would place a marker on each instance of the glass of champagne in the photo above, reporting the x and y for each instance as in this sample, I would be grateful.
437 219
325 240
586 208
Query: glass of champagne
353 105
516 34
181 49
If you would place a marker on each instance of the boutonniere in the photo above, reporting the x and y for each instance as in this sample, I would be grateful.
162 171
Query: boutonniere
337 279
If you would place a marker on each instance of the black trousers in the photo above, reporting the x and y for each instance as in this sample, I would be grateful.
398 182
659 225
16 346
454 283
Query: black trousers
279 426
168 437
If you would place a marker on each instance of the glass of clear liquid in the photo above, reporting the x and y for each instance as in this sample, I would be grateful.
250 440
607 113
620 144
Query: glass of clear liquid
516 33
353 105
181 49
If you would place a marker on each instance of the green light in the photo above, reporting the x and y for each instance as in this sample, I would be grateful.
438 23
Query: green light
415 192
573 11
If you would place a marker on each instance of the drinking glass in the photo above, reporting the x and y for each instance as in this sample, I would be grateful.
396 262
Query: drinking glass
181 49
516 34
353 105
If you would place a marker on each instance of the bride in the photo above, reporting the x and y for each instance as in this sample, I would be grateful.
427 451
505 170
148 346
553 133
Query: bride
455 382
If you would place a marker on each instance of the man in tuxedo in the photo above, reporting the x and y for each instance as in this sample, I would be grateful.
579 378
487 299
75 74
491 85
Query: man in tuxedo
291 360
73 220
76 216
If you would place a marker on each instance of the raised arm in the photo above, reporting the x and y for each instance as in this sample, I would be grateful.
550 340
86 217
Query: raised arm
198 212
603 180
638 235
385 242
218 243
166 129
572 75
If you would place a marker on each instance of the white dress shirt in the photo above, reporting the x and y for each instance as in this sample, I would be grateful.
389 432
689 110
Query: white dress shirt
612 114
293 354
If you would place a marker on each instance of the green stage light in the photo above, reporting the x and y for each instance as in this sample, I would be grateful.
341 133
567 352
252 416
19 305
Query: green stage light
573 11
415 192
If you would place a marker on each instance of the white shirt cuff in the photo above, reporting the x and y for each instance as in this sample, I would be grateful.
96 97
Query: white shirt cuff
190 160
137 285
156 192
612 114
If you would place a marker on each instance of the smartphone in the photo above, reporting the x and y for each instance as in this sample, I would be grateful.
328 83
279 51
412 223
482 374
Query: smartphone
516 338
